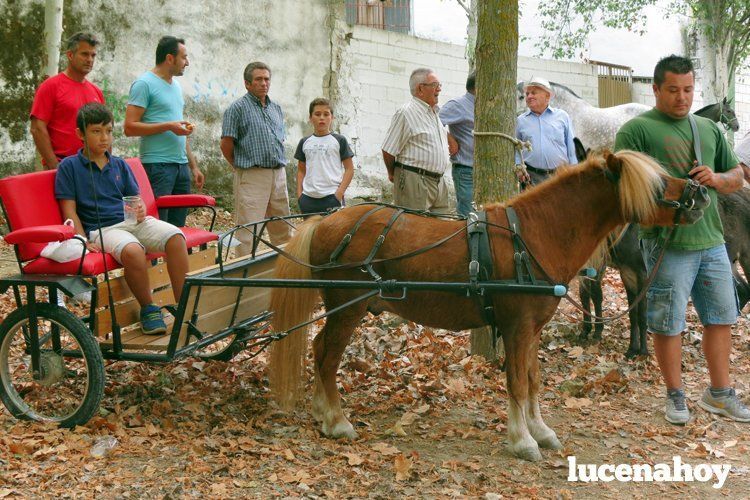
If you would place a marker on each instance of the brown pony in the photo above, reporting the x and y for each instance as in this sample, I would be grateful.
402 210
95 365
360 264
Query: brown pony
562 222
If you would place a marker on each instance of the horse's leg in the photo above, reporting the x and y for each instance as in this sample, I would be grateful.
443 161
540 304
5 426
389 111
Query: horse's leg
522 444
328 348
597 296
542 434
632 289
584 294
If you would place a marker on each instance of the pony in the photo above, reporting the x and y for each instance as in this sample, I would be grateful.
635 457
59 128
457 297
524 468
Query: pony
596 127
562 223
625 256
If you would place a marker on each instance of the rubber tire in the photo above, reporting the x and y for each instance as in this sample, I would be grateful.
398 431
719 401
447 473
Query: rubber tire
89 348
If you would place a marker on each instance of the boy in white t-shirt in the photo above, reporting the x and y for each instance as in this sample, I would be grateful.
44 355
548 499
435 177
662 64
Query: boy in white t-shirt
325 166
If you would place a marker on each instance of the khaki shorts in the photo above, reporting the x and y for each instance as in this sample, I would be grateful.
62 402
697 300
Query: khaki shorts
151 234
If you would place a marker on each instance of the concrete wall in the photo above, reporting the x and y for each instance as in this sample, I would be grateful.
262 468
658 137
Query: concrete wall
742 101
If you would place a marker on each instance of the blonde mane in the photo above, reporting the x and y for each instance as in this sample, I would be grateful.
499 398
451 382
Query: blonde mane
640 182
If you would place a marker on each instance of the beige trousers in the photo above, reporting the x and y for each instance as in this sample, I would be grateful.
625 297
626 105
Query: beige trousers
260 193
420 192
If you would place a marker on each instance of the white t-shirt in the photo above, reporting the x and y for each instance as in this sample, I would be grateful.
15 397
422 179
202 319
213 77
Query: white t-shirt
323 157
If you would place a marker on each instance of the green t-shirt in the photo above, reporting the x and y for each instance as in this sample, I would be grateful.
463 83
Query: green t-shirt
670 142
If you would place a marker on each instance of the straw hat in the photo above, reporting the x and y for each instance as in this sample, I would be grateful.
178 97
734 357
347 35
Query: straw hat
542 83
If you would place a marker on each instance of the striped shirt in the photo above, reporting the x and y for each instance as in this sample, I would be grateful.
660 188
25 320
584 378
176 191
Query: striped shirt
258 132
416 137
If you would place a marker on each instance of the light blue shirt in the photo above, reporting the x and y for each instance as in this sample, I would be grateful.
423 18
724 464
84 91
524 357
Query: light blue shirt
163 102
458 114
551 136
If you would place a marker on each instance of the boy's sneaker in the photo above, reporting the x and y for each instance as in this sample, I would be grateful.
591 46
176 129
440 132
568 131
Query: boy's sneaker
152 322
729 406
676 410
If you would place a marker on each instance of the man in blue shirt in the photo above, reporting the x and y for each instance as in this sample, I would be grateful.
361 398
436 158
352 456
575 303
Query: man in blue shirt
549 130
252 141
458 115
154 113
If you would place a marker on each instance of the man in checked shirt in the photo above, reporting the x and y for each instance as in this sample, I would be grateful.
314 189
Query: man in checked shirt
415 150
252 141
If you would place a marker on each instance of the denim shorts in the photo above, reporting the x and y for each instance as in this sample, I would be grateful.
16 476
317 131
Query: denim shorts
703 275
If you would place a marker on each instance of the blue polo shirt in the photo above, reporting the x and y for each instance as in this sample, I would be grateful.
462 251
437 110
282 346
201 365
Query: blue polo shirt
115 180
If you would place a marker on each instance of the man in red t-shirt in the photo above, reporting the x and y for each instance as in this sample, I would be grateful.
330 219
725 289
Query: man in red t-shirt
58 98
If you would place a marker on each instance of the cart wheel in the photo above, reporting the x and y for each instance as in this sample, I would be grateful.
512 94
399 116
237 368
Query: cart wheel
224 350
70 383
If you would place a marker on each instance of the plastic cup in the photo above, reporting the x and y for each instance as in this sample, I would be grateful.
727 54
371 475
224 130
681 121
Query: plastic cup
131 205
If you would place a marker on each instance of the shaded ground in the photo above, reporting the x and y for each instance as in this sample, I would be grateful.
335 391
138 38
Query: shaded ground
432 423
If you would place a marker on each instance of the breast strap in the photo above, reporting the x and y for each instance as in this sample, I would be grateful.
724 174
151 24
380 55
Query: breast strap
524 273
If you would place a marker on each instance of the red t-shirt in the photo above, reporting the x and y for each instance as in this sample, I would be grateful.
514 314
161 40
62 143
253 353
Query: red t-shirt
56 102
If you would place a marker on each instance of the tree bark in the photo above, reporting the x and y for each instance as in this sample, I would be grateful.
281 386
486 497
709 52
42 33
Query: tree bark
495 111
53 28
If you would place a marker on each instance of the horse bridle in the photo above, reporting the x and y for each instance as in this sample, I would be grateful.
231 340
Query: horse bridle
686 202
724 118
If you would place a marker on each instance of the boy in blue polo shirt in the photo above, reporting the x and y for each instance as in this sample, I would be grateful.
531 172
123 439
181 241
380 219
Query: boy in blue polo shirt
100 205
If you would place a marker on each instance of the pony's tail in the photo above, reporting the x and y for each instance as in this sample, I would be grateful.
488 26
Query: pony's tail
290 307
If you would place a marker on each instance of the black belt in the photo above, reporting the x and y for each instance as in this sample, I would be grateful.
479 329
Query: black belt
266 168
539 171
418 170
461 165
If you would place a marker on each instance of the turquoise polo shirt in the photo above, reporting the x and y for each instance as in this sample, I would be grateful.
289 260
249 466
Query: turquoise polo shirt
163 102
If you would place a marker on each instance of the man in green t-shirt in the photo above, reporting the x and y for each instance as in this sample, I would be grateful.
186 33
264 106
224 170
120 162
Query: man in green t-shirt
695 262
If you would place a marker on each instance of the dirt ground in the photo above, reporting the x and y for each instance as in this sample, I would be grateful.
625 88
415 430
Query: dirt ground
431 419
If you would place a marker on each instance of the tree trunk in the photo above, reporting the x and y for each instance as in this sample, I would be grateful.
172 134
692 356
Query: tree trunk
495 111
53 28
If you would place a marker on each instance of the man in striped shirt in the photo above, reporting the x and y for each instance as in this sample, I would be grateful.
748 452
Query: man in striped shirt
252 141
415 150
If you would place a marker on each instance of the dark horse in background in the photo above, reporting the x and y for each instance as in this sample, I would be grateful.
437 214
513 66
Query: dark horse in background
562 222
625 256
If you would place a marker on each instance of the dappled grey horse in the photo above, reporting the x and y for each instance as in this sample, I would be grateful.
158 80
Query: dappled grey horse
596 127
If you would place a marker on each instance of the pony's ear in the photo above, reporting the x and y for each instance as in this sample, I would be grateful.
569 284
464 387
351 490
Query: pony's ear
614 164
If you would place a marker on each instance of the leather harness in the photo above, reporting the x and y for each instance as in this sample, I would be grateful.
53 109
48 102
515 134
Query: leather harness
480 254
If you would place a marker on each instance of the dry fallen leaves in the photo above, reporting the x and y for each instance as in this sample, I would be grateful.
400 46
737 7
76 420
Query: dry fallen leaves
402 466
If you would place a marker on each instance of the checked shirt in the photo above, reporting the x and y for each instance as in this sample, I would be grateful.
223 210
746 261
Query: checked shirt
258 132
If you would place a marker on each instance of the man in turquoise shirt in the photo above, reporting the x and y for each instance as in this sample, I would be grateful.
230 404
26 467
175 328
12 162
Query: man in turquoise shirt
154 113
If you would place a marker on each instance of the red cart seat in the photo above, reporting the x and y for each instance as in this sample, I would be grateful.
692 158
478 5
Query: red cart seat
29 202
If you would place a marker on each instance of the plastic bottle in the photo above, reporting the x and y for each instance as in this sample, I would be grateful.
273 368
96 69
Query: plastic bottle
103 446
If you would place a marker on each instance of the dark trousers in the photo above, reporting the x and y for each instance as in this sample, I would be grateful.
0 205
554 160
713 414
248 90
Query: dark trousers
310 205
169 178
537 176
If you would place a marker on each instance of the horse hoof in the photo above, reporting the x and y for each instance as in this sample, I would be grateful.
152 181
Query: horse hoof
550 443
631 353
341 430
528 453
317 414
